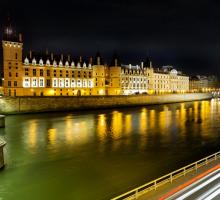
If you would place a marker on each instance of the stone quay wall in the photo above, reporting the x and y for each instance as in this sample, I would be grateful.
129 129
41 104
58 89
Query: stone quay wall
15 105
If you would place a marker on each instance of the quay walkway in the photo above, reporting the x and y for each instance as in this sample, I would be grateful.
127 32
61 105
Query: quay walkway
166 187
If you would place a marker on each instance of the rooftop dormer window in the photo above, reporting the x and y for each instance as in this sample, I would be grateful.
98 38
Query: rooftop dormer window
41 62
48 62
78 65
26 61
90 66
72 64
34 62
55 63
61 63
67 64
84 65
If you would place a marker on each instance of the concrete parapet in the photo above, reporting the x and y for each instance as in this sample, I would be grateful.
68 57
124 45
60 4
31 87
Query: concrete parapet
12 105
2 121
2 144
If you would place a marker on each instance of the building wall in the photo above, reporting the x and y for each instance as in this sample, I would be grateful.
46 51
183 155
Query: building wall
40 104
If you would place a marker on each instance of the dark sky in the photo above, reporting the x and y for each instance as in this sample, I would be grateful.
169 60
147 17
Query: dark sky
183 33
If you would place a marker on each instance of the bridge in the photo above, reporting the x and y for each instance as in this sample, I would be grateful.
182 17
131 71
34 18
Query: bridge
198 180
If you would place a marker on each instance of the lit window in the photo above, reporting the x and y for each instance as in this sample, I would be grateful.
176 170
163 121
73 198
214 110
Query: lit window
67 82
41 82
26 82
55 82
61 82
73 83
34 82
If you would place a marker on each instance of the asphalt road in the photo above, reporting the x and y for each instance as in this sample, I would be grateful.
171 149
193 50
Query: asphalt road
207 188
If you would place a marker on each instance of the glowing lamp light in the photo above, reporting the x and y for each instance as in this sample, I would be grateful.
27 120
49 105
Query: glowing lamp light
101 92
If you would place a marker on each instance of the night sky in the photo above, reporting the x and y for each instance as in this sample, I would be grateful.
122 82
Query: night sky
183 33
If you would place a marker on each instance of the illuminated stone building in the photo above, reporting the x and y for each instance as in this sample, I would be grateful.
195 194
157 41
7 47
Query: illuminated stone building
167 80
62 75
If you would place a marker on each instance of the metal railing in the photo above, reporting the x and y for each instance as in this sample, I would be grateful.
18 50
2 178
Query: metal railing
153 185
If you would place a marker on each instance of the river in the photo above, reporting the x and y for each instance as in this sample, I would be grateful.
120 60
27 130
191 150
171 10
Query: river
96 155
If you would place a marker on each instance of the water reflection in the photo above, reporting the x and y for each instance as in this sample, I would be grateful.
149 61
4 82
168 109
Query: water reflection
86 150
32 137
111 127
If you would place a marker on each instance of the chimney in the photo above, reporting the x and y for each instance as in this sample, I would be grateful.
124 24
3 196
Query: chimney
62 57
47 52
80 59
90 60
20 37
142 65
30 53
116 62
151 64
51 55
68 57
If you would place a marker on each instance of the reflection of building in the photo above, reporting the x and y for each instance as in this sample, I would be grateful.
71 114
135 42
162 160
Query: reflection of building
203 83
59 75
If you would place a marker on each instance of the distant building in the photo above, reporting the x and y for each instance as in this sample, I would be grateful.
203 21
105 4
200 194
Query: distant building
203 83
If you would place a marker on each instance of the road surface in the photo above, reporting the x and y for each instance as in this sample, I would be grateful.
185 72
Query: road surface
206 188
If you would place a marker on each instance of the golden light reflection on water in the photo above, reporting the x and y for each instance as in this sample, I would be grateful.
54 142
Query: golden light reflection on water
32 136
80 132
116 128
117 124
164 119
101 127
119 127
152 119
128 124
52 136
143 121
69 130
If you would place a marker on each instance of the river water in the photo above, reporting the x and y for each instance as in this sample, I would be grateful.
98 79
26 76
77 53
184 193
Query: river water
95 155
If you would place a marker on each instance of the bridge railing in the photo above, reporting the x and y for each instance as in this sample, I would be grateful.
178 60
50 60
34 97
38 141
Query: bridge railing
168 178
